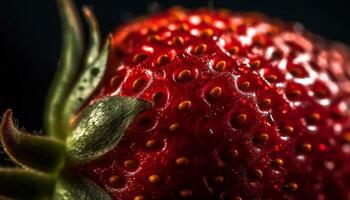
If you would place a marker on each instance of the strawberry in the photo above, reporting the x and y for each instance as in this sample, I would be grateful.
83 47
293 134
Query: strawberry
199 104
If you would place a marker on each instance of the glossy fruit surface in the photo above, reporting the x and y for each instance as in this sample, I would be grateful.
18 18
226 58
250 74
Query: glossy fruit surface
244 107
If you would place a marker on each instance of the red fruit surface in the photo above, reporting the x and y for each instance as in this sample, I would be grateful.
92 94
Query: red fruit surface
245 107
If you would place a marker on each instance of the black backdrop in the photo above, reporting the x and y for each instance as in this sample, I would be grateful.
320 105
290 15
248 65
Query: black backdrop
30 38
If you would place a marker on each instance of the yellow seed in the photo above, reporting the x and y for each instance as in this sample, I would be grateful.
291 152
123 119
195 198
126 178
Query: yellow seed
184 105
154 178
215 92
140 197
271 78
207 33
233 50
259 41
178 40
278 162
292 187
182 161
257 173
184 75
218 179
139 57
154 38
293 94
233 153
150 144
183 27
220 66
130 164
295 71
287 129
241 118
245 85
163 59
232 29
173 127
185 193
207 19
266 102
115 180
236 198
306 147
261 138
346 137
313 118
200 49
255 64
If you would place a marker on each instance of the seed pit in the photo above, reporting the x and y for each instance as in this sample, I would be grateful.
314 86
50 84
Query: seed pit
184 75
138 84
305 148
271 78
202 48
130 164
215 93
182 161
220 66
178 41
116 181
239 120
139 57
255 174
218 179
291 187
140 197
278 162
173 127
234 50
185 193
313 118
255 64
154 38
260 139
207 33
154 178
156 97
163 60
265 103
115 81
297 71
184 105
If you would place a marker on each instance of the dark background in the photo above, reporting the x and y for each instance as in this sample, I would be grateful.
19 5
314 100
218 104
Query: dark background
30 38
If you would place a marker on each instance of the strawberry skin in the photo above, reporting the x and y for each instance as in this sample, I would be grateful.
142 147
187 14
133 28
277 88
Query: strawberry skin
244 107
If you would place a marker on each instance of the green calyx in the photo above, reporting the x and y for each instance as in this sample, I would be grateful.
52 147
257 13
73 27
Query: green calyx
45 163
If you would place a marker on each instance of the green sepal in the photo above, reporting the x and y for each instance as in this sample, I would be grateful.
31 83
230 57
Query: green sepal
25 184
76 187
101 126
37 152
87 83
93 49
69 65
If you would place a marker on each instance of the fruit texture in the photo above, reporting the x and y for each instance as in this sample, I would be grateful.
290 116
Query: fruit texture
243 107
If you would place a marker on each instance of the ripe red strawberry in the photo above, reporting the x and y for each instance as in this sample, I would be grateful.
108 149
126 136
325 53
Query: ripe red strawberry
243 107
